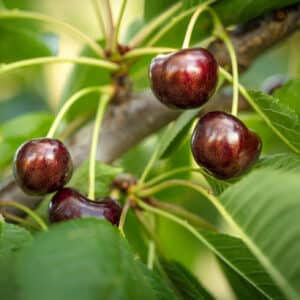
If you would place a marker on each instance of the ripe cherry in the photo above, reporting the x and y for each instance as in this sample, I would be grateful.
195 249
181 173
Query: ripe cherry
42 166
69 204
184 79
223 145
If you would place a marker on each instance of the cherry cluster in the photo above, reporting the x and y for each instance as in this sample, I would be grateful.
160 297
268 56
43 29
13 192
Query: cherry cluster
220 143
44 166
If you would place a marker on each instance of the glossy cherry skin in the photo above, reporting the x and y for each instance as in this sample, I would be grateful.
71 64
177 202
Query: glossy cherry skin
184 79
223 145
42 166
69 204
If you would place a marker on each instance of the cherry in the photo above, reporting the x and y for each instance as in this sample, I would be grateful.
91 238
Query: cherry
69 204
184 79
223 145
42 166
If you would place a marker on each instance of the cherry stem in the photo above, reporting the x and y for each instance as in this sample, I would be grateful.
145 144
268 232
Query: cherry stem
103 101
110 23
151 255
19 14
118 25
180 211
149 232
220 32
175 219
123 216
100 18
4 68
249 99
147 51
148 29
194 18
170 183
78 95
148 167
21 221
27 210
178 171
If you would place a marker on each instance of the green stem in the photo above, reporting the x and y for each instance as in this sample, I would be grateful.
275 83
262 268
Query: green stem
147 51
249 99
123 217
170 173
78 95
175 219
173 182
175 20
104 99
235 72
27 210
118 25
148 167
194 18
110 23
146 31
19 220
4 68
151 254
177 171
181 212
222 34
99 16
18 14
149 232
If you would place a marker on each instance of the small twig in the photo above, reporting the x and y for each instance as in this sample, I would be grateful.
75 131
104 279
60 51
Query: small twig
180 211
100 18
110 23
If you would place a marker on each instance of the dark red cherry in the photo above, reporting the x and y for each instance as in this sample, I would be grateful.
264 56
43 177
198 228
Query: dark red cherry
184 79
42 166
69 204
223 145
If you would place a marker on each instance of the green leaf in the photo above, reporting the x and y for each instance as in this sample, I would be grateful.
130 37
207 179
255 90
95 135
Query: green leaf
282 120
244 11
247 10
240 286
104 176
17 43
154 8
264 209
280 161
81 77
217 186
27 126
176 133
84 259
161 290
289 94
271 143
242 263
12 239
186 284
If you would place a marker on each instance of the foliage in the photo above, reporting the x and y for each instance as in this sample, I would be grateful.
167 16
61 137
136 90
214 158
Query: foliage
249 224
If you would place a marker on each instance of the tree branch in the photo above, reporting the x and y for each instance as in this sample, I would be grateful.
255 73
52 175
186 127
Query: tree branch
128 123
